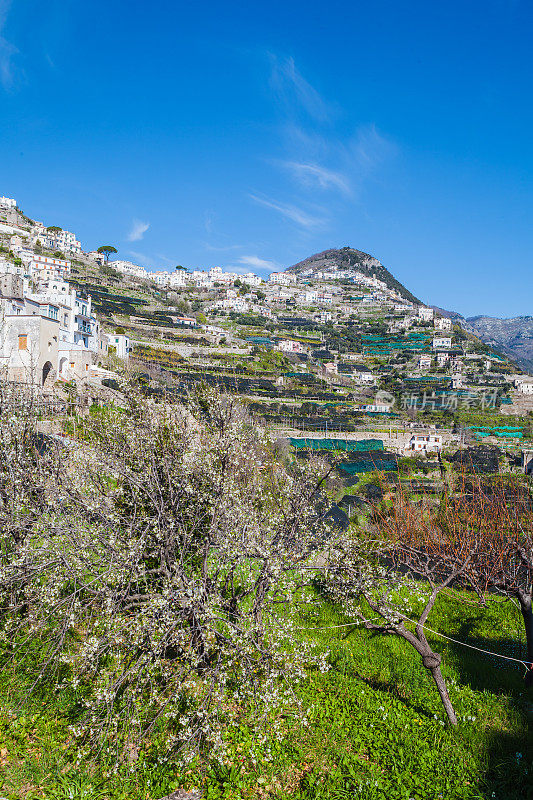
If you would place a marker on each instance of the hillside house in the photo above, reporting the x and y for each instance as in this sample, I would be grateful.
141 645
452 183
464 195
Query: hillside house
425 313
424 361
29 341
121 343
98 258
377 408
525 385
282 278
291 346
331 368
61 240
44 267
425 443
11 285
363 374
443 323
441 343
129 268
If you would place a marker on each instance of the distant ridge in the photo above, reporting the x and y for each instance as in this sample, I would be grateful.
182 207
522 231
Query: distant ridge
513 336
346 259
445 313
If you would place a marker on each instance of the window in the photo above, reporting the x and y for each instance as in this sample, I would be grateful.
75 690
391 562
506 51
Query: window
23 341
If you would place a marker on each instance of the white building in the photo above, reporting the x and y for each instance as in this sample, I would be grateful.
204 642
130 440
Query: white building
425 442
251 279
177 279
444 342
200 278
7 202
362 374
29 342
51 239
264 311
98 258
12 230
45 267
129 268
121 343
161 278
425 313
291 346
237 304
524 384
79 326
308 297
283 278
442 323
424 361
442 358
217 275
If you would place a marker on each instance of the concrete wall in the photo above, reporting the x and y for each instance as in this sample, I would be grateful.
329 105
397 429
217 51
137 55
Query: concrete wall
40 358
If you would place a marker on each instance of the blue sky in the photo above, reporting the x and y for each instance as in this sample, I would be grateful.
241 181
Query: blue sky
251 135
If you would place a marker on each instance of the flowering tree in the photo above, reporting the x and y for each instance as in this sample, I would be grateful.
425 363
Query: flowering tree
176 544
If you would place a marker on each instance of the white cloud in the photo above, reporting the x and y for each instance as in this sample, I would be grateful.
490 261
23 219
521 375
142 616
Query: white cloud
138 229
215 249
7 50
371 148
290 87
294 213
141 258
166 259
316 175
209 219
258 263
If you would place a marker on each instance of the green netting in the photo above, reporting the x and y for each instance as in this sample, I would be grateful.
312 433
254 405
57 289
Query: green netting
259 340
501 434
349 445
495 427
426 378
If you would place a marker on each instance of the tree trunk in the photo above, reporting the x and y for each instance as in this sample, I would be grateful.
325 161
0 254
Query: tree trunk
431 662
527 615
436 674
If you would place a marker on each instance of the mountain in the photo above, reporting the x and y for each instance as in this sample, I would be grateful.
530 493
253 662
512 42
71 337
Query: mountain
347 260
514 336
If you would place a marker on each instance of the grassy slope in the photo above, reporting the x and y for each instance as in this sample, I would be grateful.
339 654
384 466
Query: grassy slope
376 728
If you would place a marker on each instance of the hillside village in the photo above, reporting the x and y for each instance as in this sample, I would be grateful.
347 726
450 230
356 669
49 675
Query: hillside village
334 346
194 457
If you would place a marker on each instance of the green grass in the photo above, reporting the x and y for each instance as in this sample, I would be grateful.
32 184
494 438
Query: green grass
376 727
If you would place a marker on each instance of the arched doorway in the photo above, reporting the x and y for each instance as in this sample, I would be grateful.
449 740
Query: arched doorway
63 364
46 370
